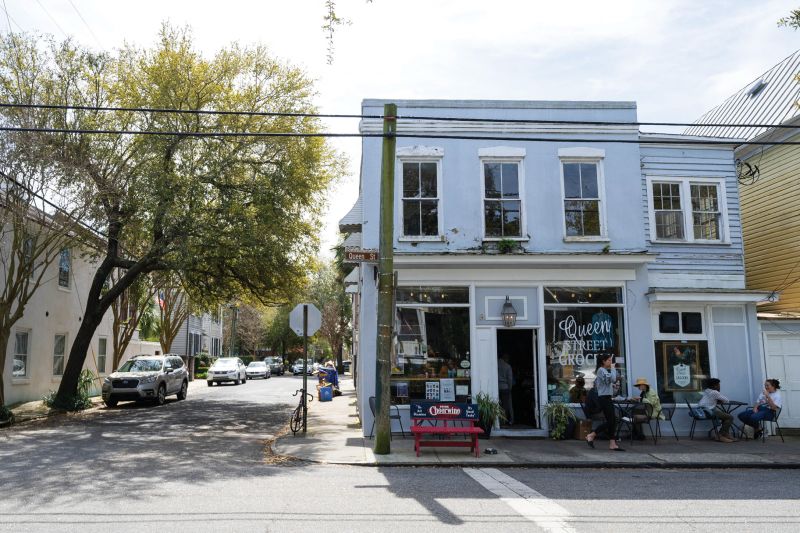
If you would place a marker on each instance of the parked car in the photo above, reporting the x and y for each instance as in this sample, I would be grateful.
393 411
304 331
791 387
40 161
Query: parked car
258 369
227 369
147 377
275 365
298 367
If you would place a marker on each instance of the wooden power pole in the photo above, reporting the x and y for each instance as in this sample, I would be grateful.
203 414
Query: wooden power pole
383 370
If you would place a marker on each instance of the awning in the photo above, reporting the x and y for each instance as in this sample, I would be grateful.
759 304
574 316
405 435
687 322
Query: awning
351 222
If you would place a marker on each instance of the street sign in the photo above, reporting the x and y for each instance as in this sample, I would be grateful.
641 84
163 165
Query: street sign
361 256
296 319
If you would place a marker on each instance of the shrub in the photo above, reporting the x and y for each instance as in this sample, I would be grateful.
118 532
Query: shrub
201 375
79 401
6 414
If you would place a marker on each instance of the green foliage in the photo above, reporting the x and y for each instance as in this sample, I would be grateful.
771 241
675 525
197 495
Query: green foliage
77 402
506 246
201 375
489 409
202 360
6 414
791 21
558 414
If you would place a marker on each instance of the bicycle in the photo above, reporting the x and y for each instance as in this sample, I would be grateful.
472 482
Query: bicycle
296 421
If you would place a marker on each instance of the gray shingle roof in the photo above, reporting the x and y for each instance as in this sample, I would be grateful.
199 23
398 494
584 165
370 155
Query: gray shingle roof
774 103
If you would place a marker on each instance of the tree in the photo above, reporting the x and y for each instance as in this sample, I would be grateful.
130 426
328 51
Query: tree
173 309
279 335
36 232
250 328
128 311
232 215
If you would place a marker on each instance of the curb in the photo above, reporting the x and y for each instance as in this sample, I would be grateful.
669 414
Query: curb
597 465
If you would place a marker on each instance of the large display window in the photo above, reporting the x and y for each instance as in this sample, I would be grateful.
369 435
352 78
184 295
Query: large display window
431 359
582 323
681 368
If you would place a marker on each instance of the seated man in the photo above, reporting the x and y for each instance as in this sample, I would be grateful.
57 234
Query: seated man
710 400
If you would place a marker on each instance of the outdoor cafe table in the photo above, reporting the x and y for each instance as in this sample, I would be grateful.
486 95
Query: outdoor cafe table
730 407
624 407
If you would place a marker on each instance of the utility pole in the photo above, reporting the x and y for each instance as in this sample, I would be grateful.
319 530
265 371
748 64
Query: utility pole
383 368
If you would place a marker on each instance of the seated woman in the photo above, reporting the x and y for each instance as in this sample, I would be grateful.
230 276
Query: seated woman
769 401
577 394
645 396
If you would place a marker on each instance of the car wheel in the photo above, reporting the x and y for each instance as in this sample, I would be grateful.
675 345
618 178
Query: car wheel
237 381
183 391
244 380
161 396
110 402
210 383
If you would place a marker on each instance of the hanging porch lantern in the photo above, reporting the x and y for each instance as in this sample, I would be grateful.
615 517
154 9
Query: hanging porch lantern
509 314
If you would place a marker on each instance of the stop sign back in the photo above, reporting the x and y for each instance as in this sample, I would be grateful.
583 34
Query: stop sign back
296 319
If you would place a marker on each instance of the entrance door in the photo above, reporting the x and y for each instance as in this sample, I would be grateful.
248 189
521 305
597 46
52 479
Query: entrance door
783 364
517 349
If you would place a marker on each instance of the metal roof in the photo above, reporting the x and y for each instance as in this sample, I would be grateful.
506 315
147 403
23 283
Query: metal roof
769 99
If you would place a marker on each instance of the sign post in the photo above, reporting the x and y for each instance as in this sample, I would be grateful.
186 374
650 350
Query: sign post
305 319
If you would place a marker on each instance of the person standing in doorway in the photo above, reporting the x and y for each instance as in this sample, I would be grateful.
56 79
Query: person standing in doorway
505 380
606 376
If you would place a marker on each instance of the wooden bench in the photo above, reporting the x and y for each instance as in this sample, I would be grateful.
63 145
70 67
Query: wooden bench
445 420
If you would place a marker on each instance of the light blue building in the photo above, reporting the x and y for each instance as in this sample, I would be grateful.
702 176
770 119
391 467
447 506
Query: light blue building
602 238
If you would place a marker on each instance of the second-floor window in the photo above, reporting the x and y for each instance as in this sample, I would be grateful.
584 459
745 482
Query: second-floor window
582 200
420 201
64 268
686 210
502 204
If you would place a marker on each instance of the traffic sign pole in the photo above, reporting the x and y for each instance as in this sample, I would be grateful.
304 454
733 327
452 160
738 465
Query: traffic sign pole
305 367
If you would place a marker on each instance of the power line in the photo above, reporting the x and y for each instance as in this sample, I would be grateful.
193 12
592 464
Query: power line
46 12
223 134
381 117
186 111
85 23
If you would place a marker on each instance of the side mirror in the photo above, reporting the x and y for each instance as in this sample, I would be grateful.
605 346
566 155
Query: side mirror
168 370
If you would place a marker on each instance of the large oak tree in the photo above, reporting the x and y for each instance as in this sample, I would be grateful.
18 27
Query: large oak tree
234 215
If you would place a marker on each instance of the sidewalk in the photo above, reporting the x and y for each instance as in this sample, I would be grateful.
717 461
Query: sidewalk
334 437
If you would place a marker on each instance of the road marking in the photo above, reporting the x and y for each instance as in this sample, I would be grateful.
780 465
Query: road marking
544 512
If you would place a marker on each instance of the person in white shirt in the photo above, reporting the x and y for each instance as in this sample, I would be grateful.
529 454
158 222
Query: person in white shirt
768 403
710 401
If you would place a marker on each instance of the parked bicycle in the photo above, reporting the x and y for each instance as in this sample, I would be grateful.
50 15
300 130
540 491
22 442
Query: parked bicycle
296 421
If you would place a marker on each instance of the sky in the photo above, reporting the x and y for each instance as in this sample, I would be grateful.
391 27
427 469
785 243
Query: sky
675 58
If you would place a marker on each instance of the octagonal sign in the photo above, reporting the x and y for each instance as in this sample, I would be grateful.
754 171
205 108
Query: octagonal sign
296 319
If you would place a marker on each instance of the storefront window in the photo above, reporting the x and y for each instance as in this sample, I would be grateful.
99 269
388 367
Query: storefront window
681 368
589 324
431 358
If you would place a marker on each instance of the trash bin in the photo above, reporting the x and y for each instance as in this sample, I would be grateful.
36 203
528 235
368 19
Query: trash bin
325 394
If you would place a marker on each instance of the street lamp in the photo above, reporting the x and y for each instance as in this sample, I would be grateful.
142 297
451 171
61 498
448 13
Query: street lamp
509 314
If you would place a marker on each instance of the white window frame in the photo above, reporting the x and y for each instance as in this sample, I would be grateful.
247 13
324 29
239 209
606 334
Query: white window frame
586 156
27 376
68 286
686 206
419 154
103 355
63 356
503 154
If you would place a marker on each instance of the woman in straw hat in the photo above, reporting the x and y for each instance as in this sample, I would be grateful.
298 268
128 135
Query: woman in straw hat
645 396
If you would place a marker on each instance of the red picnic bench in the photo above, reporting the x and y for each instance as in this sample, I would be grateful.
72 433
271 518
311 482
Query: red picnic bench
445 420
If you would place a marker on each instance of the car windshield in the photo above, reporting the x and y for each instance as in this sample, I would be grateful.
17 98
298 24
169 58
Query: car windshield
141 365
270 360
225 362
256 364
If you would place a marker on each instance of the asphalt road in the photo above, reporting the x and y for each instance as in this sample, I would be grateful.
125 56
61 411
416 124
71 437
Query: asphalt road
200 465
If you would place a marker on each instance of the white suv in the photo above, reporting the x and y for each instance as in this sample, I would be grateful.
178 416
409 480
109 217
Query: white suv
147 377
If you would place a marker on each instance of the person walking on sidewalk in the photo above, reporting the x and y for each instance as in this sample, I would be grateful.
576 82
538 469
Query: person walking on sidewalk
710 402
605 377
768 403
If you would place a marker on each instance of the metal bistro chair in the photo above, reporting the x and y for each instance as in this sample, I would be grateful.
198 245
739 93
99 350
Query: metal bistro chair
640 413
667 412
395 416
698 414
763 426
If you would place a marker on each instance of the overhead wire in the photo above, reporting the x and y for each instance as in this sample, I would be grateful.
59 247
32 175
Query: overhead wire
77 11
52 18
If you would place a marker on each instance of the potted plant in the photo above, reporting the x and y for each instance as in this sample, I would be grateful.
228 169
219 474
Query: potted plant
489 410
560 417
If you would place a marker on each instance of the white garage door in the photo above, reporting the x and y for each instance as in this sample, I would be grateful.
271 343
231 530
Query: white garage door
783 363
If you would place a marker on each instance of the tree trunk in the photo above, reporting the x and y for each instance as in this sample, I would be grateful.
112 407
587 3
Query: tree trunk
77 354
4 336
